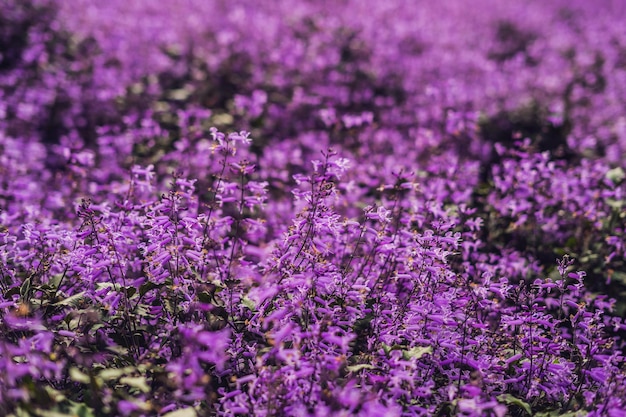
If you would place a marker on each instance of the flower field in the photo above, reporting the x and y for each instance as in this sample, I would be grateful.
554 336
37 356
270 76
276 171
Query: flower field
312 208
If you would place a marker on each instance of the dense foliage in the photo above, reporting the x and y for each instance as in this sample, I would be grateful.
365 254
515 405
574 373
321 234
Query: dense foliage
312 208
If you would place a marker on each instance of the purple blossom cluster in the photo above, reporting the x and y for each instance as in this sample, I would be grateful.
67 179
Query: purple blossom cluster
233 208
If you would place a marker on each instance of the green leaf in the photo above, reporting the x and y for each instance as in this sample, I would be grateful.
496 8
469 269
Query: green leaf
559 413
183 412
142 310
169 307
180 94
56 280
109 374
73 301
511 400
219 287
616 175
55 395
101 285
205 297
223 119
97 326
359 367
248 303
147 286
130 291
138 382
388 348
417 352
79 376
50 413
25 288
615 204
